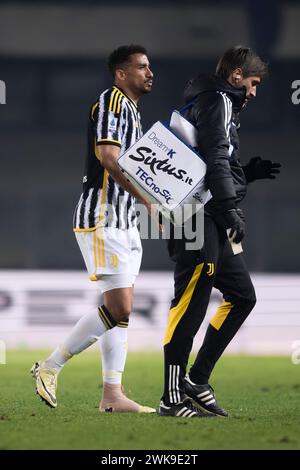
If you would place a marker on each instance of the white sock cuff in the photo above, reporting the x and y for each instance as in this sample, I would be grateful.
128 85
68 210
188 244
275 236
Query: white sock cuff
58 358
112 377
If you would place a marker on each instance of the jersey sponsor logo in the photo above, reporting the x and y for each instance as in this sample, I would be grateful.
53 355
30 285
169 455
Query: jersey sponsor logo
84 179
211 269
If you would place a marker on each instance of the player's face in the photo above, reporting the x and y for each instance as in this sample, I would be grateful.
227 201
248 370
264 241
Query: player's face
138 75
251 83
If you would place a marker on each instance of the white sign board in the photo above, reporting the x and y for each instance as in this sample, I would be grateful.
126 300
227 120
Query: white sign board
168 171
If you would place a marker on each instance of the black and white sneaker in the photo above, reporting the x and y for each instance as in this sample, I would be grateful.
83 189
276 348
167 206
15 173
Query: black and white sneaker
184 409
204 396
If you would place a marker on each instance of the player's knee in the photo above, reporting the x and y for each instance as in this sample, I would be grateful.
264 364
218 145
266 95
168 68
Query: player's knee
245 303
120 312
124 317
250 300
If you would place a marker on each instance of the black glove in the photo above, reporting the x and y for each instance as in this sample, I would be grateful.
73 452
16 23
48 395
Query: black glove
232 219
258 169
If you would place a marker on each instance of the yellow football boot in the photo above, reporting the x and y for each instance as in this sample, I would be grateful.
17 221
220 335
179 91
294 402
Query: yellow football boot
46 383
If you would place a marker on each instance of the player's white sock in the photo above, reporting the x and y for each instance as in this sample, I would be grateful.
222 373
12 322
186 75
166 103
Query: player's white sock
86 331
57 359
113 346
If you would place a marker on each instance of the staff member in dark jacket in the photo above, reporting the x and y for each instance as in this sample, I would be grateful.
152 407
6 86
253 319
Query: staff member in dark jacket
216 103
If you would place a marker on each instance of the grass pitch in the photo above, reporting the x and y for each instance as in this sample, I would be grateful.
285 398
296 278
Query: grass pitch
261 394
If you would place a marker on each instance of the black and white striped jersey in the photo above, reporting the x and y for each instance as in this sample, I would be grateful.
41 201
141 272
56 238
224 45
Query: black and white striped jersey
114 119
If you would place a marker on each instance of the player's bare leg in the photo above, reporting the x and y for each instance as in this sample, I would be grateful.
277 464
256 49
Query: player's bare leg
114 400
86 332
114 351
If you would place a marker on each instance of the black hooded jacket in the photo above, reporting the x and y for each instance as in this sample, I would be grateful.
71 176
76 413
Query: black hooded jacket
214 112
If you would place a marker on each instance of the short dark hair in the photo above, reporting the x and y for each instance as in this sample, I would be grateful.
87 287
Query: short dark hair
243 58
122 55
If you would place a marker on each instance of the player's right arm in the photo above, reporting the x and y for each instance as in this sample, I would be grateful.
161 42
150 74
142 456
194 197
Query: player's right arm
109 136
108 156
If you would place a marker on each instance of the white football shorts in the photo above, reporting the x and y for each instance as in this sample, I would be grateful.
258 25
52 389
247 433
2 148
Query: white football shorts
112 256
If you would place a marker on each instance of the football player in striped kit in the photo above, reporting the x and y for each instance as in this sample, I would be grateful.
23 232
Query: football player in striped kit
105 226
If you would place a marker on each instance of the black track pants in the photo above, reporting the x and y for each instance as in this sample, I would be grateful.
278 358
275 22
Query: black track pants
193 285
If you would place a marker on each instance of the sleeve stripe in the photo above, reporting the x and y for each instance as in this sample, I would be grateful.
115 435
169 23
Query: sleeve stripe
109 141
228 113
119 103
114 105
112 99
115 101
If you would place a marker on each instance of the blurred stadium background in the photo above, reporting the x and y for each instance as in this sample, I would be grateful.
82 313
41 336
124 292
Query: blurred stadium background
53 61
